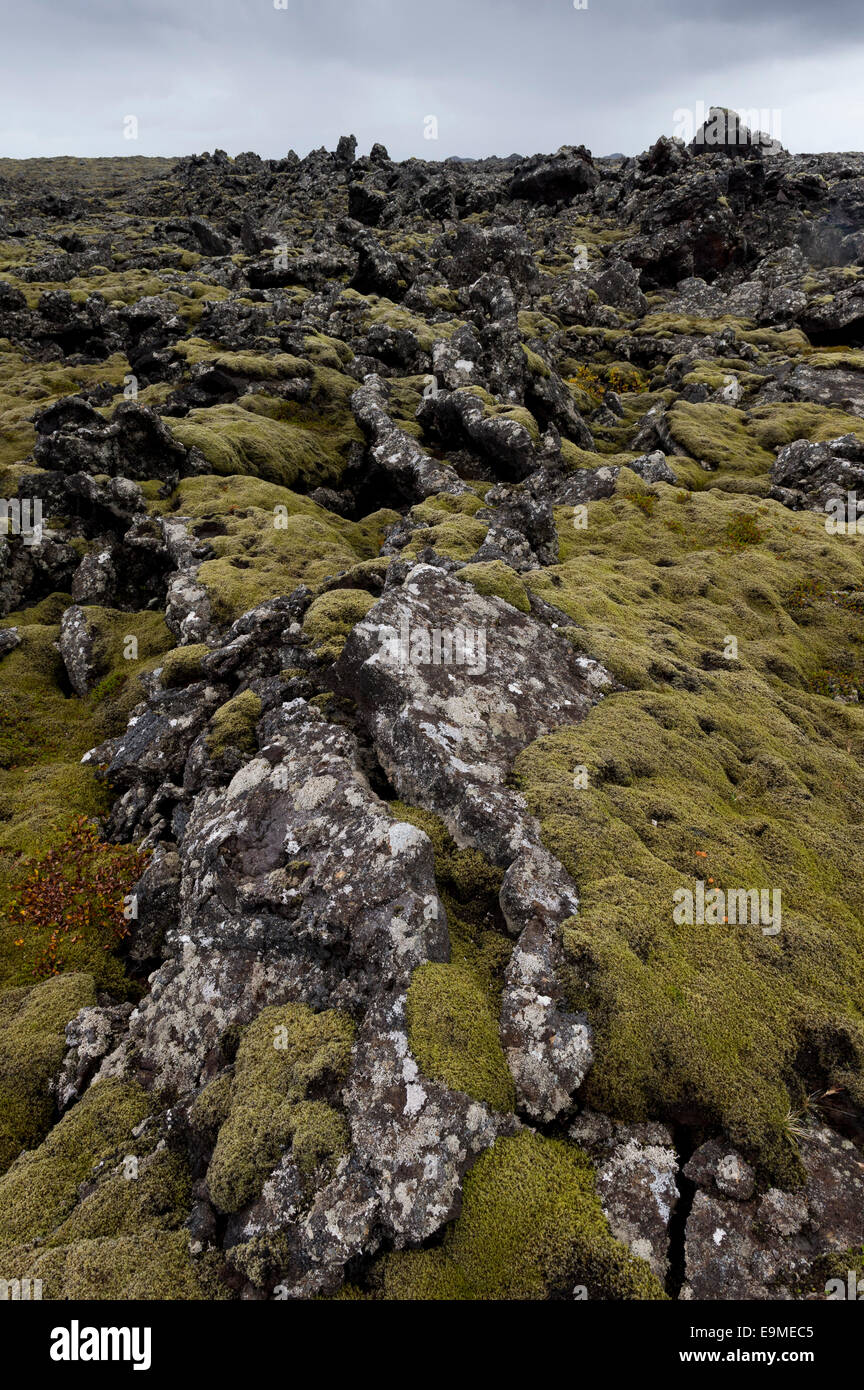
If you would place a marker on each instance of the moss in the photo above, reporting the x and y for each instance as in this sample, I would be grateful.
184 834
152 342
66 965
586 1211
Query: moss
319 1135
493 409
534 362
27 386
135 1267
233 725
40 1189
494 577
468 886
444 504
574 457
182 665
837 1265
379 310
735 771
271 439
119 662
457 536
331 616
266 540
453 1033
536 325
531 1227
273 366
774 426
718 434
44 732
286 1054
213 1105
32 1043
156 1199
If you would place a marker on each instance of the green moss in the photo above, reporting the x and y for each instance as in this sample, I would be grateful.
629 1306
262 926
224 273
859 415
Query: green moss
494 577
233 725
286 1054
493 409
468 886
531 1228
268 540
455 535
27 386
830 1267
730 769
718 435
535 363
182 665
331 616
135 1267
444 504
379 310
273 366
453 1033
319 1135
40 1189
157 1198
44 732
264 440
774 426
123 646
32 1043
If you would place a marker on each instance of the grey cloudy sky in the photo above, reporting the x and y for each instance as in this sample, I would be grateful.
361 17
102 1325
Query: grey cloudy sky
499 75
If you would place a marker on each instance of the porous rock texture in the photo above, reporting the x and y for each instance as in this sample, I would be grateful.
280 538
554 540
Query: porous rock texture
415 574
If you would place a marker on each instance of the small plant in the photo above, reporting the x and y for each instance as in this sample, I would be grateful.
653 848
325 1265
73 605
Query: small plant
643 499
596 381
75 895
742 530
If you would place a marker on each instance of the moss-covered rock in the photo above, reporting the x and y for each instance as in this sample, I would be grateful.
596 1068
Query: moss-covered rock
728 766
32 1042
266 540
40 1189
233 725
182 665
494 577
287 1056
331 616
531 1227
453 1033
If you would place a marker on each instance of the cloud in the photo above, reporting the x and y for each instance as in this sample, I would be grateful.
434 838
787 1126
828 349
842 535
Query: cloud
500 75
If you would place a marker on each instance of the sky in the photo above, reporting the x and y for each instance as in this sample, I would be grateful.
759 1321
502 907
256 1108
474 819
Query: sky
484 76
